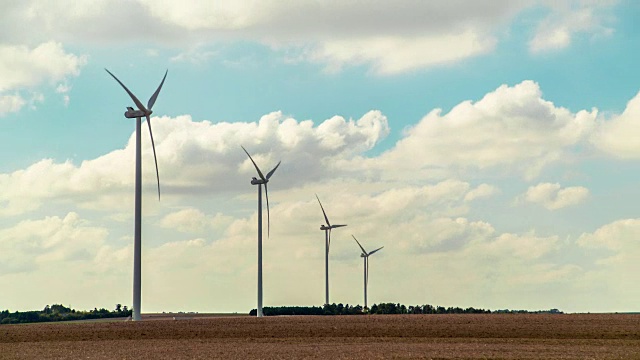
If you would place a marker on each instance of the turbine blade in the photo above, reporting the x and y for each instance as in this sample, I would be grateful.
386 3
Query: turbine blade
266 194
361 248
272 171
254 163
155 158
133 97
153 98
380 248
323 213
337 226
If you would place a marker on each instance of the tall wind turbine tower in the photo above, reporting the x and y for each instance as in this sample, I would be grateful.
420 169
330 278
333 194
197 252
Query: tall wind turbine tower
137 247
327 242
262 181
365 255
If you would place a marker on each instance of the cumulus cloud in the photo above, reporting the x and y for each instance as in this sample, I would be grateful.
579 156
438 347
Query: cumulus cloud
389 55
512 126
615 136
202 237
482 191
193 220
196 157
11 103
338 34
22 68
615 248
621 236
388 37
53 239
553 197
566 20
523 246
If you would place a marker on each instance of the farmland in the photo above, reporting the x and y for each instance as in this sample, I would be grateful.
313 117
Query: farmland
467 336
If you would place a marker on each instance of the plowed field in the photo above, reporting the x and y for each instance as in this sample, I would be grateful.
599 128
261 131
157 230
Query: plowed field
490 336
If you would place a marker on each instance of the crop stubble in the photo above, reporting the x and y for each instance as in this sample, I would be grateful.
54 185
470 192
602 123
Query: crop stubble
487 336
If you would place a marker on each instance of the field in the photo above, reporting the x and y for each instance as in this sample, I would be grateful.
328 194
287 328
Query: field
488 336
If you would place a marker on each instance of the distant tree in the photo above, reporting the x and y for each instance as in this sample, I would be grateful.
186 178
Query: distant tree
118 307
59 308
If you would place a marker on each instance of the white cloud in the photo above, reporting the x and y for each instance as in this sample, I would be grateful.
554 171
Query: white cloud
622 236
192 220
186 220
482 191
194 56
22 67
201 237
64 90
33 243
554 197
389 37
525 246
616 135
195 157
11 103
512 127
568 19
616 249
388 55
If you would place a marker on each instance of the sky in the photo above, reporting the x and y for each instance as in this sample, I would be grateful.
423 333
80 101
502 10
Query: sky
490 147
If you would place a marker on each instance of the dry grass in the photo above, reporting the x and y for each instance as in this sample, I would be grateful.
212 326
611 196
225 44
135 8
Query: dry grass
598 336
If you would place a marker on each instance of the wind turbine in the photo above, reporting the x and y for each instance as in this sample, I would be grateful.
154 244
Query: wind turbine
137 249
262 181
365 256
327 242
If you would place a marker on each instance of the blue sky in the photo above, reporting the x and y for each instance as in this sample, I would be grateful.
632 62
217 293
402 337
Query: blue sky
489 144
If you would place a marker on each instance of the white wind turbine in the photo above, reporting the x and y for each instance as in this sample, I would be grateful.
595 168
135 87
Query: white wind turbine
327 242
365 256
137 249
262 181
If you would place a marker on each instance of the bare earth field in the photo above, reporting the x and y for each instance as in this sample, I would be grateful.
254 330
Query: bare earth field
490 336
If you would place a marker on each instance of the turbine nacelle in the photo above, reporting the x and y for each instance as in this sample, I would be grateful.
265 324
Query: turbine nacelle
364 252
255 181
131 113
324 227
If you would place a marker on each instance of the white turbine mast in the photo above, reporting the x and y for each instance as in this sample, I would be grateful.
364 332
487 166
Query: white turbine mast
327 241
365 255
137 249
263 180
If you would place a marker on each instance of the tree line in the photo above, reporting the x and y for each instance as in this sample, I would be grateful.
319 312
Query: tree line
384 308
58 312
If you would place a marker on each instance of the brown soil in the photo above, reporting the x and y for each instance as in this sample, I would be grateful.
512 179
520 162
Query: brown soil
491 336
